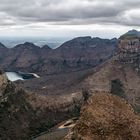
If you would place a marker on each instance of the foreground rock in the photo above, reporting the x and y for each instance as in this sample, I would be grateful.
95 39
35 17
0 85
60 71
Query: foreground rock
106 117
24 115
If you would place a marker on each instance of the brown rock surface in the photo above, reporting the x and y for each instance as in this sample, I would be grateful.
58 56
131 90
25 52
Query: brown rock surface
106 117
119 79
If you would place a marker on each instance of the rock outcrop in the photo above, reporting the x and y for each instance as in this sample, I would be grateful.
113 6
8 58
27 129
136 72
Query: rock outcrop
24 114
3 82
129 48
106 117
119 75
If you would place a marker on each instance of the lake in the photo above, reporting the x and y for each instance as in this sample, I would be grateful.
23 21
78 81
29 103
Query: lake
13 76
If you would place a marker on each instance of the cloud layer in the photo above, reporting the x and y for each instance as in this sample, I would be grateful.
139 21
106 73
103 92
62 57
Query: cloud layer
40 13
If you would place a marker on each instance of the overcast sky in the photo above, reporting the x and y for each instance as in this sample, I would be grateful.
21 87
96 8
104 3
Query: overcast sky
60 18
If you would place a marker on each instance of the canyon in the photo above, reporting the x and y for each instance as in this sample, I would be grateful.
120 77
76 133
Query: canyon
76 74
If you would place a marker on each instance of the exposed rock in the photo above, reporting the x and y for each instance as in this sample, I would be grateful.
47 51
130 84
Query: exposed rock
24 114
119 79
129 50
106 117
130 34
129 47
3 82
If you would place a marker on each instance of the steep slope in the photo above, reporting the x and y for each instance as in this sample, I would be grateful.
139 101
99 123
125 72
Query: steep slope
21 56
23 114
106 117
118 78
3 51
15 112
120 75
85 52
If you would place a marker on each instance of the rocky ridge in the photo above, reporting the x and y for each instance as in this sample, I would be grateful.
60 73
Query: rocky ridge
76 54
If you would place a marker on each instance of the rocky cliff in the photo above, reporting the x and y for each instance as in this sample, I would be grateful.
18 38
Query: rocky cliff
109 117
129 48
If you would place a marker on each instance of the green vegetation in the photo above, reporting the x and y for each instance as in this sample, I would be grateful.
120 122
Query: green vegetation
117 88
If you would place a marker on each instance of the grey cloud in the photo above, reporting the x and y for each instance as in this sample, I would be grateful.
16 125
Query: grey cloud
70 12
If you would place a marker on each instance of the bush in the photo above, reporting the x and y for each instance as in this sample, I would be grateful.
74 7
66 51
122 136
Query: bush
117 88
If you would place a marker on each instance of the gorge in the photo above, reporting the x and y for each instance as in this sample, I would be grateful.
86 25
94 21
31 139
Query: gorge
69 77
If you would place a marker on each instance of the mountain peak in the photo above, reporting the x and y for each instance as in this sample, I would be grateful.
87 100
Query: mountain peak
29 44
46 47
130 34
133 32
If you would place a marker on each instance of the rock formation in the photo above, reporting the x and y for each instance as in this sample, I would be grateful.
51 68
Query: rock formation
129 48
106 117
24 114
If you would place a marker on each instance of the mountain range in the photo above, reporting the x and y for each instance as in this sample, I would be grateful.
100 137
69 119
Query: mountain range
85 71
76 54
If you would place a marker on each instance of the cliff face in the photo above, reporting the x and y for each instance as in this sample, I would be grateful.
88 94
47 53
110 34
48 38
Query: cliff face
129 44
15 111
119 79
129 49
121 74
106 117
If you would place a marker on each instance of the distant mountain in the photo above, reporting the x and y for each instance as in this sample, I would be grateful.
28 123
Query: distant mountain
76 54
85 42
2 46
46 47
3 51
131 33
10 42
